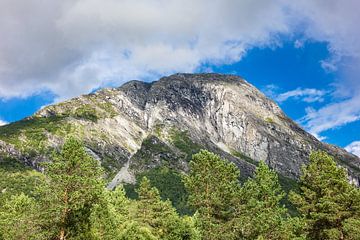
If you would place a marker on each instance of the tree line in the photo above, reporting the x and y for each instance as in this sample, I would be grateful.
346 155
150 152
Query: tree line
73 203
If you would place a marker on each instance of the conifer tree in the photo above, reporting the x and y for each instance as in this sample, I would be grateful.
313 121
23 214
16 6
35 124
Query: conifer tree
259 213
74 184
110 215
212 185
160 217
329 204
19 219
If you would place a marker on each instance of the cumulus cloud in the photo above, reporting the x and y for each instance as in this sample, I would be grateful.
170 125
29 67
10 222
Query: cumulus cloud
308 95
345 107
334 22
332 116
354 148
73 46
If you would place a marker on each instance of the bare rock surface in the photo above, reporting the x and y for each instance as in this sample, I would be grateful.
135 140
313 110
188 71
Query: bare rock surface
144 125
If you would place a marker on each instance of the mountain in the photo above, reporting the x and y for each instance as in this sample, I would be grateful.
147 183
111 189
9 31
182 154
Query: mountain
141 126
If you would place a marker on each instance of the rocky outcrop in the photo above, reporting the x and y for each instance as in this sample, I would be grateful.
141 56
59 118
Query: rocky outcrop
146 125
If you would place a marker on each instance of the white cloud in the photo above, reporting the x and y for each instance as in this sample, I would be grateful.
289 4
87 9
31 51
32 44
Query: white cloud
308 95
3 122
332 116
354 148
73 46
335 22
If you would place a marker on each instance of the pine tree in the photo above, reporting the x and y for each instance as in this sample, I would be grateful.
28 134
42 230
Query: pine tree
259 213
110 215
19 219
329 204
212 185
74 184
160 217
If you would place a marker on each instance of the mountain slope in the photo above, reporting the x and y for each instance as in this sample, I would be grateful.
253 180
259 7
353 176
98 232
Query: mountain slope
141 126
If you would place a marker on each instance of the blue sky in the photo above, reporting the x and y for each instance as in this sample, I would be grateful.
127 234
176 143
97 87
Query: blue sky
303 54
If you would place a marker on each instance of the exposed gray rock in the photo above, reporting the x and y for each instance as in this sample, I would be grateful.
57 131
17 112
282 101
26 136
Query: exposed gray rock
222 113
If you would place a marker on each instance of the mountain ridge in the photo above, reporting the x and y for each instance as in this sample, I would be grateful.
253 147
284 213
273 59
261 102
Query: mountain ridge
146 125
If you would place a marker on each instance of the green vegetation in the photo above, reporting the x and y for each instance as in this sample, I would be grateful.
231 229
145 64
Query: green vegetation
244 157
29 135
182 141
111 167
289 185
155 144
269 120
86 112
212 185
170 186
94 112
108 108
69 201
327 202
153 152
158 130
258 210
15 178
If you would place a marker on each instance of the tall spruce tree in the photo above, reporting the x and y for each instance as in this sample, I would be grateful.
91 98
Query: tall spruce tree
74 184
258 211
329 204
212 185
160 217
110 215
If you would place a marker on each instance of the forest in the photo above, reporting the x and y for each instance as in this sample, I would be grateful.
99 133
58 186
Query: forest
69 200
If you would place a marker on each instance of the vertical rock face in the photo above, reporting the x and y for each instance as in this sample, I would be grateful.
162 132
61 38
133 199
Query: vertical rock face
143 125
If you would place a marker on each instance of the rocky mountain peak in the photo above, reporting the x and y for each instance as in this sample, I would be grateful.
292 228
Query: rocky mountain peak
141 125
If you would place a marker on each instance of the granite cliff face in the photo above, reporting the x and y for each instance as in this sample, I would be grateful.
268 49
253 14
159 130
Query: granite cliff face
140 125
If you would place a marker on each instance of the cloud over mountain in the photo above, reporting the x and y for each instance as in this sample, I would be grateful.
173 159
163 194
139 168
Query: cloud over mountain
72 47
354 148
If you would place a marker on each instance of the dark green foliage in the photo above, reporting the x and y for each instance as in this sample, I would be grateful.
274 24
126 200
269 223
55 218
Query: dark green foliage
244 157
73 186
111 167
110 216
155 144
225 210
71 201
153 148
328 203
181 140
288 185
258 211
160 217
15 178
212 185
134 231
170 186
